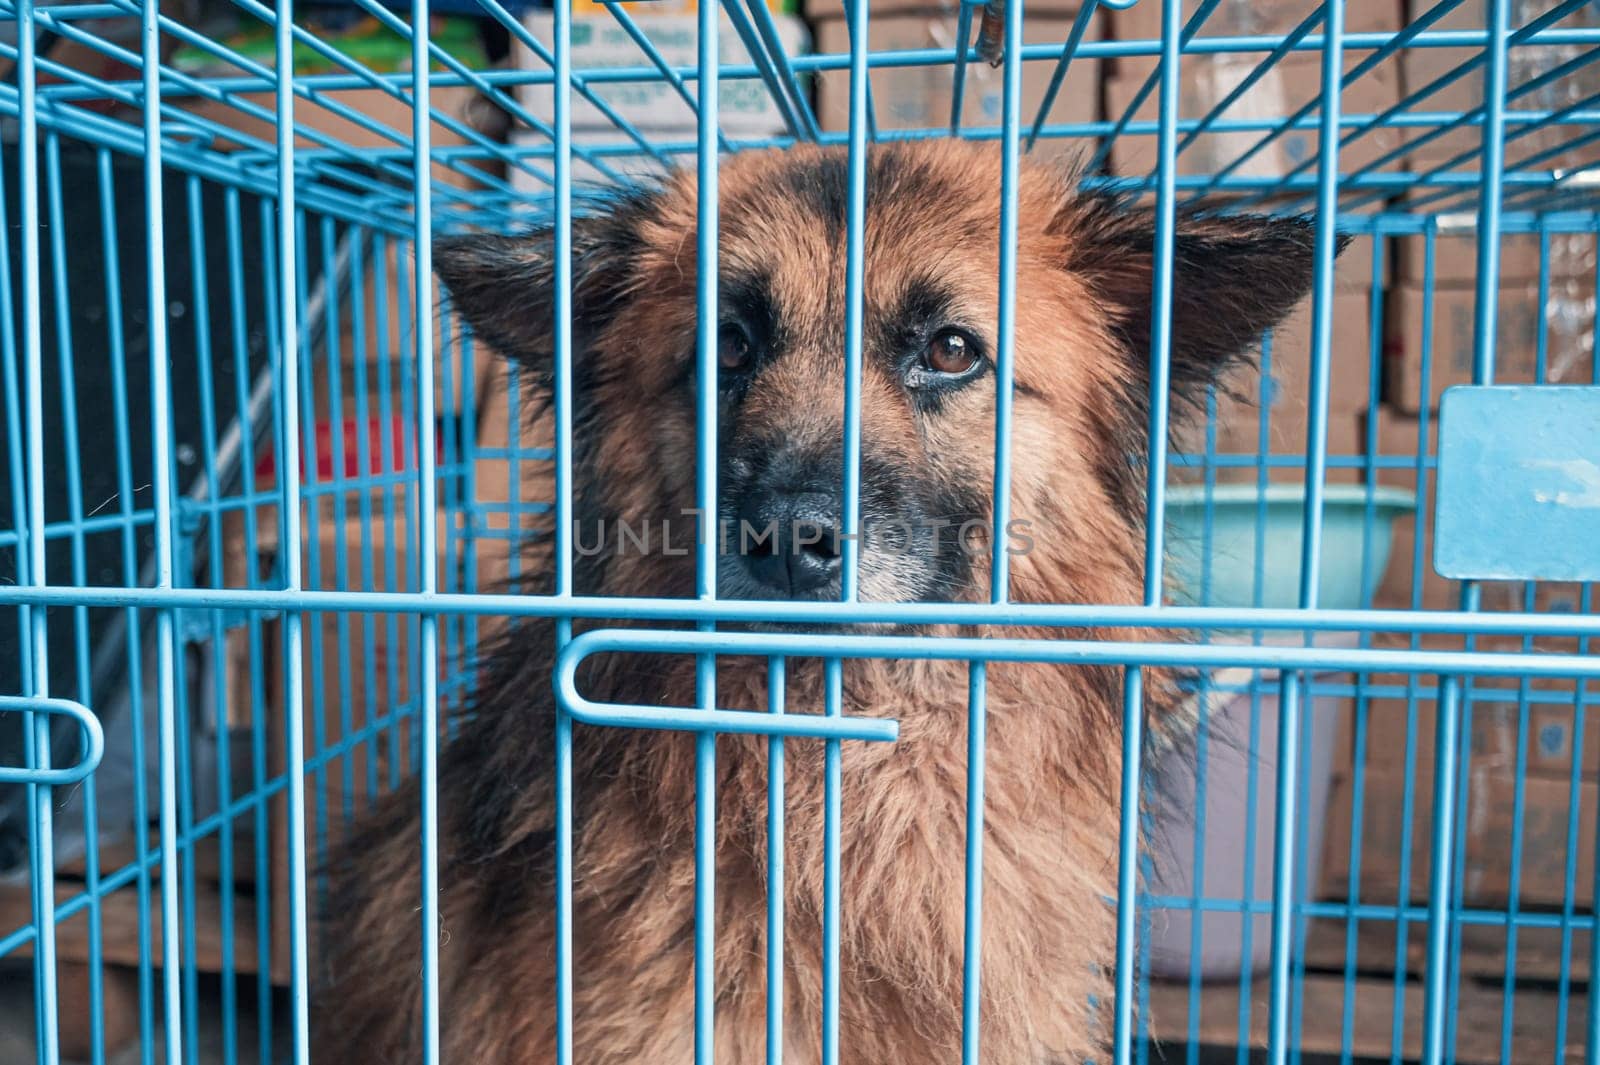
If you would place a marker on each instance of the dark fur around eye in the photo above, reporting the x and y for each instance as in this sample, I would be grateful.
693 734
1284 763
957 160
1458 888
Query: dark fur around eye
745 308
925 310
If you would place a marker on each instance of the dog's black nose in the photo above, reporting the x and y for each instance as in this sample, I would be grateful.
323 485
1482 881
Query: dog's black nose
789 540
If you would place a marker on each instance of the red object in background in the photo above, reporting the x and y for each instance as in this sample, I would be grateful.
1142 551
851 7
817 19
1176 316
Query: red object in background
400 457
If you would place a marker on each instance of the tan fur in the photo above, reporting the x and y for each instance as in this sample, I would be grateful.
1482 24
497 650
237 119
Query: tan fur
1054 733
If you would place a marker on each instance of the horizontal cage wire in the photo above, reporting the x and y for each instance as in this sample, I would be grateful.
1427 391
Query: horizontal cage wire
1002 532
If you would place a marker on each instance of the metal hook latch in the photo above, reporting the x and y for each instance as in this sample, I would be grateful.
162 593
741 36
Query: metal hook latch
94 741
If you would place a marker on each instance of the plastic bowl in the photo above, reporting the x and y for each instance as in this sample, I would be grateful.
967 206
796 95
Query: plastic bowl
1221 523
1241 705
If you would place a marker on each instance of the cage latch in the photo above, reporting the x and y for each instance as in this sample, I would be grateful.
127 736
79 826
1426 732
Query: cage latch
94 741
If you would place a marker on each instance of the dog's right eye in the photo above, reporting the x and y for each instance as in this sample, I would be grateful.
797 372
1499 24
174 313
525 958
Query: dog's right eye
733 347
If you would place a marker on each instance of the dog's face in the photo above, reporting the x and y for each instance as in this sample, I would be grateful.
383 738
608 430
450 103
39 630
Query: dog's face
930 336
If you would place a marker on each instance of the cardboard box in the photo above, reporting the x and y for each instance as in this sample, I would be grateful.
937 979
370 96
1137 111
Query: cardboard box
1567 319
1486 836
919 97
457 104
635 8
1552 730
1281 91
1242 18
1497 704
1283 397
1455 256
619 154
745 107
1392 451
1460 95
1352 271
817 10
1397 589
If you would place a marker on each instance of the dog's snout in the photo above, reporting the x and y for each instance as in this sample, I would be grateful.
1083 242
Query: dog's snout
789 538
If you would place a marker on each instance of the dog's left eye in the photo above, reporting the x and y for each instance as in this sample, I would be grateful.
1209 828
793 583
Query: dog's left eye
733 347
950 353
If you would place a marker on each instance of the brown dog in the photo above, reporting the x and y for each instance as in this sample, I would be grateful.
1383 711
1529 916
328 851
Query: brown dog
928 399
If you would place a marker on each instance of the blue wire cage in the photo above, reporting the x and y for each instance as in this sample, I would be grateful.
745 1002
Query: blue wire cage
259 481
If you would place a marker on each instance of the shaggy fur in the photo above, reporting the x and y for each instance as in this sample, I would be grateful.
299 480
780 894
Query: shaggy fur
1078 447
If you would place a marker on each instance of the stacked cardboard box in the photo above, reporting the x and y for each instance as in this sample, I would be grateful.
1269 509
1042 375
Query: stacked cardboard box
746 108
1527 730
919 97
1235 18
1262 412
1252 96
1450 81
1280 91
1549 339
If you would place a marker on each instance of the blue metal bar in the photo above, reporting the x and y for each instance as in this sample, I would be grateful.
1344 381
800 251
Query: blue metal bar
963 45
35 727
384 256
427 508
706 544
859 43
814 613
1591 1033
1000 559
1290 685
288 471
1155 508
186 763
563 408
972 960
359 353
314 517
1574 804
1005 353
161 478
45 13
775 866
1075 652
248 415
1408 787
125 492
1449 728
75 504
219 691
341 567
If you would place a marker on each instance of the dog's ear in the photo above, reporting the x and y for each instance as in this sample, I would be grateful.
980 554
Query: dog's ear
1234 277
504 285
